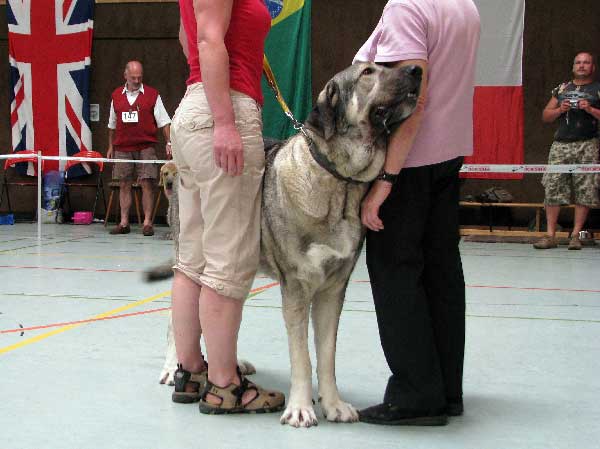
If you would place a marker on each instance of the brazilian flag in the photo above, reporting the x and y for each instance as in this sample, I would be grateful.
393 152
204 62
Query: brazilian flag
288 50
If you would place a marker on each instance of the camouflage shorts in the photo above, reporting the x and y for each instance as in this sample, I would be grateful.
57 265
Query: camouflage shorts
560 186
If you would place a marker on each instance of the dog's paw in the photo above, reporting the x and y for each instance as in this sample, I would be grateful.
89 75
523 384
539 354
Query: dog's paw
166 377
246 368
339 411
299 416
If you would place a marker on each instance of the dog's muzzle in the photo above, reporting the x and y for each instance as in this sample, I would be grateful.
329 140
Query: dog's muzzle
385 118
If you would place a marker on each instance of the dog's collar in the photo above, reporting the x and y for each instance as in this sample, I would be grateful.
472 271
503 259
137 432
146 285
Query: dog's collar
326 163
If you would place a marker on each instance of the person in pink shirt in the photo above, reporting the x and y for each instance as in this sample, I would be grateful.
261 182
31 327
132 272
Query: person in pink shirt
411 212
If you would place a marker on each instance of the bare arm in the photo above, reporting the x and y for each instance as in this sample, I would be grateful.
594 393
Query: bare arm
213 22
111 134
587 107
402 140
183 40
554 109
167 133
398 148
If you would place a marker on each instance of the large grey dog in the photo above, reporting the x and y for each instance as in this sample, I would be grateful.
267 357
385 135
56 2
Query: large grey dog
311 228
311 231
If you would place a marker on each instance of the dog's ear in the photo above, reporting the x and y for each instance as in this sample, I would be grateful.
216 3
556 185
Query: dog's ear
323 117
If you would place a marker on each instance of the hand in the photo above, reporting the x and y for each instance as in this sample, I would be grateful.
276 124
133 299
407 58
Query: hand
584 105
369 210
169 150
565 106
109 153
228 149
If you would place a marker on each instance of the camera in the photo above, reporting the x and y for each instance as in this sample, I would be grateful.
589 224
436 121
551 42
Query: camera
574 103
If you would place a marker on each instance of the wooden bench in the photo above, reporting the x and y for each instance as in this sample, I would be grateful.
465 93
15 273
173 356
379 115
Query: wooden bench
538 207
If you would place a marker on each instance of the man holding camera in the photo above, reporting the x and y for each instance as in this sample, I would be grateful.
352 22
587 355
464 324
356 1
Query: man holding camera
576 106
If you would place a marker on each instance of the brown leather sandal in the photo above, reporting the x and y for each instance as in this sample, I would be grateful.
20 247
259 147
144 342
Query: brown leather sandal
265 401
183 379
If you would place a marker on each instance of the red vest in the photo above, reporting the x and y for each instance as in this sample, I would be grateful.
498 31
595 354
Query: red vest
139 135
245 42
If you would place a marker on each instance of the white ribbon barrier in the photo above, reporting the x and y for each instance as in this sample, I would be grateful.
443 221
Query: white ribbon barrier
15 156
103 159
531 168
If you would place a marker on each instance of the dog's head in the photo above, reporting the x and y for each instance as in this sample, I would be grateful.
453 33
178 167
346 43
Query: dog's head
368 97
357 110
168 173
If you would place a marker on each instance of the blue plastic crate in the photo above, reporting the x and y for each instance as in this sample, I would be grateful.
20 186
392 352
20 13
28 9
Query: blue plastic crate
8 219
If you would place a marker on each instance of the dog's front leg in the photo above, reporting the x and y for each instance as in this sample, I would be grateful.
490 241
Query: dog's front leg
166 375
326 310
299 411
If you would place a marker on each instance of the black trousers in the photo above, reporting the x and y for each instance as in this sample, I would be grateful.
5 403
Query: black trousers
418 287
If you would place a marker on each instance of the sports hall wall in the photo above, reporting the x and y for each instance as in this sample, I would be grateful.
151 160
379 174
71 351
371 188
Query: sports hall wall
148 31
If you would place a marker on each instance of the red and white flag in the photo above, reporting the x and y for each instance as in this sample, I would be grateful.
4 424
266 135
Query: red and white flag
498 104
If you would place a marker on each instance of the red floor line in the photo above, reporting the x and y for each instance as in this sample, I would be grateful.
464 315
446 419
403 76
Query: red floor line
574 290
91 320
95 270
112 317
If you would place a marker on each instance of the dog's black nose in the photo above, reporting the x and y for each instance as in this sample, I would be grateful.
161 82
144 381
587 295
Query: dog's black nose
415 71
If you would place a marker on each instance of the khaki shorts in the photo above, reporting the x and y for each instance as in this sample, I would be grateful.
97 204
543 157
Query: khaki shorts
124 171
559 187
219 215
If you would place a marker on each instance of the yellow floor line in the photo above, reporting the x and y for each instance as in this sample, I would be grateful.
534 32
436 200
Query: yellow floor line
60 330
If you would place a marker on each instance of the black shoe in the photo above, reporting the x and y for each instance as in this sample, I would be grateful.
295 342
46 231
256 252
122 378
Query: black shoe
455 408
391 415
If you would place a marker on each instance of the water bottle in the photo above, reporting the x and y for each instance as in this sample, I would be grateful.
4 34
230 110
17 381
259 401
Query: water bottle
52 182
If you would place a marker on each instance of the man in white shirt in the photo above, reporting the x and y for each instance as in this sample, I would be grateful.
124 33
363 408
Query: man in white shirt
136 113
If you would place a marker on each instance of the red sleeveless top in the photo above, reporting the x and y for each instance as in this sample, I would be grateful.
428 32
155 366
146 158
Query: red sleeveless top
245 42
140 134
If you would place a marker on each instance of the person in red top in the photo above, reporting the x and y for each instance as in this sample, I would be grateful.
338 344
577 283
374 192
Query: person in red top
136 113
219 153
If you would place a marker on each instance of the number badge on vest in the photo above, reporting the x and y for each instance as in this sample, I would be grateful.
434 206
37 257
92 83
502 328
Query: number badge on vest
129 117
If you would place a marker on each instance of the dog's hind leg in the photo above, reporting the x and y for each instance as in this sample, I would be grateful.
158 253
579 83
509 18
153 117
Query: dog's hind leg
326 310
299 411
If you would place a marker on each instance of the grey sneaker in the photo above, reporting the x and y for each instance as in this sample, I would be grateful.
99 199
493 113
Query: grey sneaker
546 243
574 243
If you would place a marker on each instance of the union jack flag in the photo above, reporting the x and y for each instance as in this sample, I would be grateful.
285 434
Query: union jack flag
50 45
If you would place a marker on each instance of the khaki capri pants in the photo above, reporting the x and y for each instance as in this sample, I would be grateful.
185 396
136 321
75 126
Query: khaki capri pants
219 215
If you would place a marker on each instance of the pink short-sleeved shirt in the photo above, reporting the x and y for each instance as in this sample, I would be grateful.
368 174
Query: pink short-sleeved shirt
445 33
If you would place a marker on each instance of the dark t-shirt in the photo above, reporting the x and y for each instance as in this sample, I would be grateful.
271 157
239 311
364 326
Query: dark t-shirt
575 124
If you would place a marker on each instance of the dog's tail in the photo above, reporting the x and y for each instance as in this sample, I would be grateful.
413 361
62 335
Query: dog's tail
159 273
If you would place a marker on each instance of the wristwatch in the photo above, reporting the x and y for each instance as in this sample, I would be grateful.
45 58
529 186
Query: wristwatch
387 177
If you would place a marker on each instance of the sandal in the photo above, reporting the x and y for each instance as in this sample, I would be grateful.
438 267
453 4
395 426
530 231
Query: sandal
182 379
265 401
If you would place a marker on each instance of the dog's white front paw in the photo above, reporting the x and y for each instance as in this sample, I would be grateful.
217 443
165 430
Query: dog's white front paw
246 368
339 411
166 377
299 416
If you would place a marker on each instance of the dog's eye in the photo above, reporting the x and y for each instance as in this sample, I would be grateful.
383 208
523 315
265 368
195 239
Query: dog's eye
367 71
